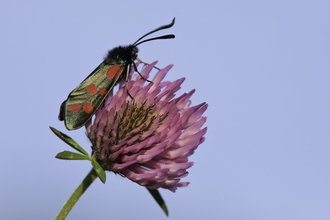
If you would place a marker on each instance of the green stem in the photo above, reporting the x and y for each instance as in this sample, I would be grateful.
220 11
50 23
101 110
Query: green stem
91 176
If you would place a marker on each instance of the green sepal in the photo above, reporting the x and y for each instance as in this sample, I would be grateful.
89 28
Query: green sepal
68 155
159 199
68 140
99 170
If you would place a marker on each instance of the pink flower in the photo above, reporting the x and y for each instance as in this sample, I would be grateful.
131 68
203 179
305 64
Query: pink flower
148 139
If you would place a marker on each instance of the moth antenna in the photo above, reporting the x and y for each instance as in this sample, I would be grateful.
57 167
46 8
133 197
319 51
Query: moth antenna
157 29
168 36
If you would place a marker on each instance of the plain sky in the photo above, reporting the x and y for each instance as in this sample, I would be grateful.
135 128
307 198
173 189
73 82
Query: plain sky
262 66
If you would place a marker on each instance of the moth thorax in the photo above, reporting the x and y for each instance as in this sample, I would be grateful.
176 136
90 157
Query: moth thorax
121 55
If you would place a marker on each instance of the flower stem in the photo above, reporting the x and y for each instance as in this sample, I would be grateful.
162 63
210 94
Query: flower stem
91 176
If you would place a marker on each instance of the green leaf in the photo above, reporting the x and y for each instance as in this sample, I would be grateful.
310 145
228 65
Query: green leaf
159 199
99 170
68 155
68 140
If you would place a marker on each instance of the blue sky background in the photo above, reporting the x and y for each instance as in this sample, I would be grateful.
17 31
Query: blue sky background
262 66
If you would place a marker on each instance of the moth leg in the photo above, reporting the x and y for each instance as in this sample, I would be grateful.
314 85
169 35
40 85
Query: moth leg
140 61
136 70
126 81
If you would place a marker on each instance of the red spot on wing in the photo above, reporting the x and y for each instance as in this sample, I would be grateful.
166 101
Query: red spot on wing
74 108
114 72
103 91
92 89
88 107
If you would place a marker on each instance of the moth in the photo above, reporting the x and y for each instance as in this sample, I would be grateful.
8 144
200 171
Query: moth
91 93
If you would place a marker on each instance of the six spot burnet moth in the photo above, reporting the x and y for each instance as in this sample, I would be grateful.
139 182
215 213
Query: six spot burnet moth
90 94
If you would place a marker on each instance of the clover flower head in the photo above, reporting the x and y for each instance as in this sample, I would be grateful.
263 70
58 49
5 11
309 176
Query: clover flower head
148 139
